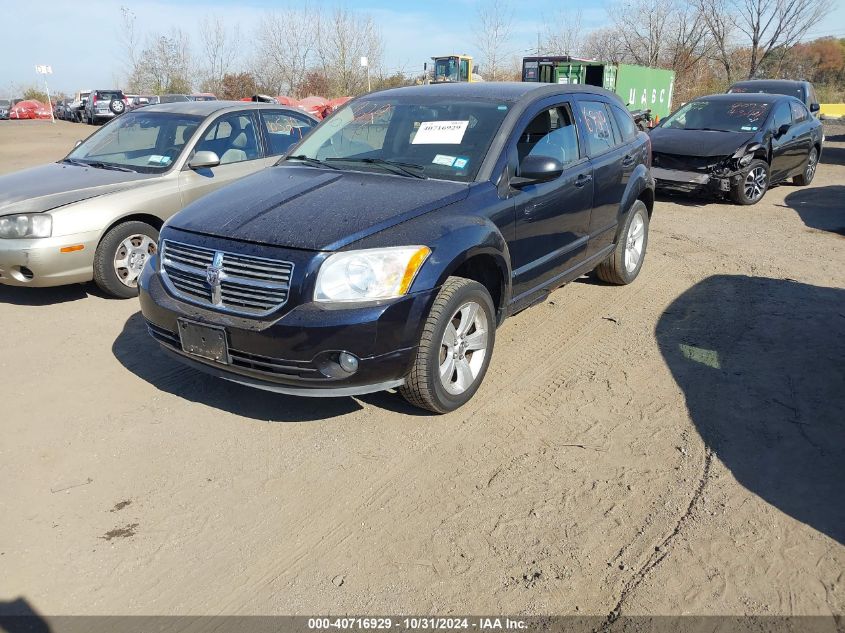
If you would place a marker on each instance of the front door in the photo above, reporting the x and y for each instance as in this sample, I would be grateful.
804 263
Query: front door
551 218
234 138
783 155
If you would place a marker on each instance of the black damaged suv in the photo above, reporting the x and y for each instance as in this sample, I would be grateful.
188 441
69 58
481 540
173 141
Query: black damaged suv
383 251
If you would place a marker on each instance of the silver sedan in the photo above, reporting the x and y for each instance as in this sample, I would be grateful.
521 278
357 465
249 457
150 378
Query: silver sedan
96 213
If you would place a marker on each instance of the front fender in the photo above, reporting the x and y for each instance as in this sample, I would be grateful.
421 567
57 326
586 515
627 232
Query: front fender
639 181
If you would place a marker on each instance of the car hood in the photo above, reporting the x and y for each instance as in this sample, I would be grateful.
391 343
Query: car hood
697 142
312 208
57 184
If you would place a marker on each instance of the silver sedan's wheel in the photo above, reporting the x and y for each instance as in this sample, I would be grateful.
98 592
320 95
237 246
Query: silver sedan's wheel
634 242
463 348
755 183
130 257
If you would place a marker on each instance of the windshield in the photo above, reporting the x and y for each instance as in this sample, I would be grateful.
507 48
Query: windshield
5 103
433 137
142 141
446 69
719 116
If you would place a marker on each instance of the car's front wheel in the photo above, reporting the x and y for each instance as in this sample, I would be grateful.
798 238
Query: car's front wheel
121 256
753 185
809 169
455 347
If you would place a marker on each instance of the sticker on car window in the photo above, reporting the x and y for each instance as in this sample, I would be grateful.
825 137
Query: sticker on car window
442 159
460 162
157 159
440 133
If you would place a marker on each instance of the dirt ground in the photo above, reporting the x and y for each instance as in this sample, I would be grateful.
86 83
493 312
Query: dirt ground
672 447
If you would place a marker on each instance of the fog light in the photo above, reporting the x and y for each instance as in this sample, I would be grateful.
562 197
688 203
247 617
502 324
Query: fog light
348 362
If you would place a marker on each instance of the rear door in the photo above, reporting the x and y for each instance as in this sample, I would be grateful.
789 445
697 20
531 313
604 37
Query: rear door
612 162
802 127
551 218
234 137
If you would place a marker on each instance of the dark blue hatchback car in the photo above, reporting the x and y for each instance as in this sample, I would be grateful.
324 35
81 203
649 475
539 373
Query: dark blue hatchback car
385 248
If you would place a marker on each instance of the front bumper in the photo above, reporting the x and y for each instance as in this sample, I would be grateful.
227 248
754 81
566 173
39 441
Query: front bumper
40 262
294 353
694 181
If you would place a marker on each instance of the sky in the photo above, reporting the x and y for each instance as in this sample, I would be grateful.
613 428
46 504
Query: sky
81 41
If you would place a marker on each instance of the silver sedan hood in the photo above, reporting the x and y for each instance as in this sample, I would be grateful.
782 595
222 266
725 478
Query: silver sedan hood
57 184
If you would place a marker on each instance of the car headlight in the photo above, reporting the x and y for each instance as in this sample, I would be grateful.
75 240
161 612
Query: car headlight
368 275
26 225
746 159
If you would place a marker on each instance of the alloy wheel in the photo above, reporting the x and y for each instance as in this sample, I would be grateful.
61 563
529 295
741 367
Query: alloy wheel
130 257
755 184
463 348
812 161
634 242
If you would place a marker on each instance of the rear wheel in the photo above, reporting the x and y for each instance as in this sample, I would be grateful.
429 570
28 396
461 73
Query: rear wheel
809 169
624 263
455 347
121 256
754 184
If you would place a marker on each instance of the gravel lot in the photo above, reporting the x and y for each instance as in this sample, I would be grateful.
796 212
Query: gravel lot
673 447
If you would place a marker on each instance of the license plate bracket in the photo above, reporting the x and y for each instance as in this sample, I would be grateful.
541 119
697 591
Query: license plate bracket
205 341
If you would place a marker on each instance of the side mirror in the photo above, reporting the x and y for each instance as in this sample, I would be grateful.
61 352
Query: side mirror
204 159
783 129
77 144
815 107
536 169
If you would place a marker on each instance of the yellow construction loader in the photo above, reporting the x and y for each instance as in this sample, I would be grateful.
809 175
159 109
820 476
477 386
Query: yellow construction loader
454 68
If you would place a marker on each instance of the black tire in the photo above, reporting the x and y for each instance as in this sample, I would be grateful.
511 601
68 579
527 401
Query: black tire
105 273
809 172
117 106
423 386
745 192
614 270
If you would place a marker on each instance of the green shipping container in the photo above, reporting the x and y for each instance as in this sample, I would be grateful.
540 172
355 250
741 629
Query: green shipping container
639 87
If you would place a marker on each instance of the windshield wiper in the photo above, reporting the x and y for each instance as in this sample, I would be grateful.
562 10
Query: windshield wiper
97 164
73 161
316 162
704 129
395 166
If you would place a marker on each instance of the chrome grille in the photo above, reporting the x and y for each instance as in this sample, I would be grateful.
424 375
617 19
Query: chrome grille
227 281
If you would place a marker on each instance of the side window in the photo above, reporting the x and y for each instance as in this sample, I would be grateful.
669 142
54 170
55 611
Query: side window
626 123
782 115
283 130
551 133
599 132
232 137
799 112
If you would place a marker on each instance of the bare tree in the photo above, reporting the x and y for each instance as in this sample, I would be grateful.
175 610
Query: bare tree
219 48
130 40
345 37
643 26
165 64
721 26
286 48
606 44
564 34
773 25
492 33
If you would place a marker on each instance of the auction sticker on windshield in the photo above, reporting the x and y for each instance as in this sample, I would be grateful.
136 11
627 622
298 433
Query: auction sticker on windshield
440 133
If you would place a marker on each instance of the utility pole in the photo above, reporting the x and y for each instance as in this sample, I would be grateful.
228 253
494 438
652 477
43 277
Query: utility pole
47 70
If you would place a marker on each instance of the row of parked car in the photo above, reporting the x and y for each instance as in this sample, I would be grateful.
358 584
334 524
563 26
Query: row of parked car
381 248
97 106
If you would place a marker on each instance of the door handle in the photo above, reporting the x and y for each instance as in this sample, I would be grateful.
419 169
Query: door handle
628 160
583 179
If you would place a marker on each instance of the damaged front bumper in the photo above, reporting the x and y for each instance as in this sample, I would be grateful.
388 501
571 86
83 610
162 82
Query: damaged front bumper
695 181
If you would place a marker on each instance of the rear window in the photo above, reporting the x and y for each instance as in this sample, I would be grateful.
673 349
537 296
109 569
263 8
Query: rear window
626 123
769 88
109 94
